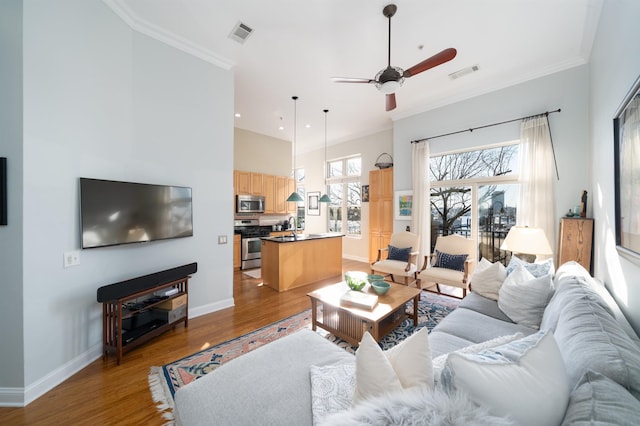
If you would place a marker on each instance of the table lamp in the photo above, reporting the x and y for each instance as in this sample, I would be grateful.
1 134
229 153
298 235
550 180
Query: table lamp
525 240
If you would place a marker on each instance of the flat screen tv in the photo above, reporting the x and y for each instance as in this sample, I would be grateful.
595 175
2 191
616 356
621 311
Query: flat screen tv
113 212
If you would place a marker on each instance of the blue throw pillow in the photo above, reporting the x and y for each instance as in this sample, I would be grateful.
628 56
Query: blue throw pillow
450 261
401 254
536 269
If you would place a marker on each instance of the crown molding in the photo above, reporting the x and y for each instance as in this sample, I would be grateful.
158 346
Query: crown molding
144 27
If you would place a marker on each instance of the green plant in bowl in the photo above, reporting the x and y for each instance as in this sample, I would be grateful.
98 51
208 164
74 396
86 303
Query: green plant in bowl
356 280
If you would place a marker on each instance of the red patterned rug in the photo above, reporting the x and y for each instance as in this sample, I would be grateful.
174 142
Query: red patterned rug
166 380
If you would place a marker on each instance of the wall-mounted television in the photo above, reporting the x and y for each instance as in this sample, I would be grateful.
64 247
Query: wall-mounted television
113 212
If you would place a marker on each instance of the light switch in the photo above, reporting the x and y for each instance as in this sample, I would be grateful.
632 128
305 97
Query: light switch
222 239
71 258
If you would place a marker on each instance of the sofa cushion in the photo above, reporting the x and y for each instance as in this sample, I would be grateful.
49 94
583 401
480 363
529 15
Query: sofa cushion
476 327
405 365
599 400
591 339
483 305
524 379
523 297
487 278
443 343
270 378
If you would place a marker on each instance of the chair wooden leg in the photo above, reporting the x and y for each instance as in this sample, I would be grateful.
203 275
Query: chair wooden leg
464 292
438 288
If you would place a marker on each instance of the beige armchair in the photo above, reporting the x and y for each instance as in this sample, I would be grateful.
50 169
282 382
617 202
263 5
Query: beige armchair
404 246
452 246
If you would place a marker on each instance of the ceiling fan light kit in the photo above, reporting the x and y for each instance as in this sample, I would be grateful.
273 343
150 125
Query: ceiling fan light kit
390 79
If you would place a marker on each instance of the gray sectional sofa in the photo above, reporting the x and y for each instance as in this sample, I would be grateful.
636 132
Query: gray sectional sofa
601 355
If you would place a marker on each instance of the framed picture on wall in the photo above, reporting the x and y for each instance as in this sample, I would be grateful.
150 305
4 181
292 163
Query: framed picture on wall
626 134
403 205
313 204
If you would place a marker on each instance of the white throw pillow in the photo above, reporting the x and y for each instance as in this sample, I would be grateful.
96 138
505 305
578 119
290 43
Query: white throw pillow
405 365
524 379
487 278
523 297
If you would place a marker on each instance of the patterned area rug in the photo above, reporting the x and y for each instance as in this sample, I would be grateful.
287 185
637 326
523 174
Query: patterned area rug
166 380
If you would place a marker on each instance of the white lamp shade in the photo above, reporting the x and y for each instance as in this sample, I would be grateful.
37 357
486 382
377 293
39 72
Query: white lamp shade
522 239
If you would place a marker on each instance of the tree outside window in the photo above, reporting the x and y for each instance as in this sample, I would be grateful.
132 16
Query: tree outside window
479 184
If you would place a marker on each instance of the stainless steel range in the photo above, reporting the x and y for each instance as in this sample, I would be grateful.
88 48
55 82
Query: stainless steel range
251 231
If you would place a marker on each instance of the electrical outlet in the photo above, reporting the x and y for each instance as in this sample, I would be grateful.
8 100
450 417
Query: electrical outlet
71 258
222 239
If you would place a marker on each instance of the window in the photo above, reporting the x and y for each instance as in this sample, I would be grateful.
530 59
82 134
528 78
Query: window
346 196
300 213
474 194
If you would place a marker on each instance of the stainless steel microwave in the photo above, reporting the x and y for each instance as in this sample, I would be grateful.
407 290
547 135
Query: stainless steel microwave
249 204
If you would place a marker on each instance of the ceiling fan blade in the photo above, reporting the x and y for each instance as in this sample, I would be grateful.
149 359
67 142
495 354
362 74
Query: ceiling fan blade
438 59
351 80
390 101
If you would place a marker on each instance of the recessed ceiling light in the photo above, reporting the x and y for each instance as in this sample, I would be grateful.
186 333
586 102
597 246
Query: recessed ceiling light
237 115
308 126
281 128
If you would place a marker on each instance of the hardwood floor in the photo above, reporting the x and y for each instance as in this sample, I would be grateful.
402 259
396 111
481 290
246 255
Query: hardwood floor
104 393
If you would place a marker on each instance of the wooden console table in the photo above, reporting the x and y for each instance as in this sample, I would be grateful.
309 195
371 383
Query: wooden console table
137 310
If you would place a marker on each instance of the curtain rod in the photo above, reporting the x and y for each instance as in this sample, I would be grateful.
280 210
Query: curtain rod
482 127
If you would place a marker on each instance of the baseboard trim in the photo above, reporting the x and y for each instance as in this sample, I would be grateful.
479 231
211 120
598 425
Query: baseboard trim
11 397
356 258
211 307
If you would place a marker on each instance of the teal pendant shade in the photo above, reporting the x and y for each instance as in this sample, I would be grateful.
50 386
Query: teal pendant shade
325 199
294 198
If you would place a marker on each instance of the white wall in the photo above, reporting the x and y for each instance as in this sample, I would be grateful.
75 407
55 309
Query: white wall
566 90
102 101
369 147
615 65
11 349
254 152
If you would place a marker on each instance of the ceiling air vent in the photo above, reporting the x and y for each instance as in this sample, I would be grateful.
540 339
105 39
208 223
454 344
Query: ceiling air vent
463 72
240 32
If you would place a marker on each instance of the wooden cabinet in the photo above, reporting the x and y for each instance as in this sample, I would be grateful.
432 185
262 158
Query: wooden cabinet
380 210
269 192
275 189
575 241
237 251
242 182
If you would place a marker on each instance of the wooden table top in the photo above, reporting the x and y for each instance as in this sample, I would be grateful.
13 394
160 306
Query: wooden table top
395 298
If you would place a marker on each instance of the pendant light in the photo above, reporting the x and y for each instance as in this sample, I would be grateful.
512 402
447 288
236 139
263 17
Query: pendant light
294 197
325 197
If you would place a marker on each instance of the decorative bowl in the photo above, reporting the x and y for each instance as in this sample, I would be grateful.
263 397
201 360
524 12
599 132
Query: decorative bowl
375 277
380 287
356 280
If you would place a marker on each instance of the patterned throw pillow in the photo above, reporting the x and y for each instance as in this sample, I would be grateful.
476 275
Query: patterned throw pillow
396 253
537 269
450 261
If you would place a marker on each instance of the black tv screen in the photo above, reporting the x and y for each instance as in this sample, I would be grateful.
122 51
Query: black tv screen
113 212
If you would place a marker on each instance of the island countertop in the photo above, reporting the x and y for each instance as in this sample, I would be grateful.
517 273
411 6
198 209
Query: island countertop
301 261
302 237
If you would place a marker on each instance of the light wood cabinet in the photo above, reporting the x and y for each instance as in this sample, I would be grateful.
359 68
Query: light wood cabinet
380 210
291 187
281 194
575 241
257 184
269 192
237 251
242 182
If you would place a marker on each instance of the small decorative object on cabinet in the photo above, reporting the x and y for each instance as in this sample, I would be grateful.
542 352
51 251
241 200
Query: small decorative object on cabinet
136 310
575 241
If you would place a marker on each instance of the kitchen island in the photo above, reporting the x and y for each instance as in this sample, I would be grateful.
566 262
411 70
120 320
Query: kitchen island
289 262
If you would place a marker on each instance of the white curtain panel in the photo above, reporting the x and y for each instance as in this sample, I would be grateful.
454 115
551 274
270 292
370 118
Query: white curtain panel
421 215
535 206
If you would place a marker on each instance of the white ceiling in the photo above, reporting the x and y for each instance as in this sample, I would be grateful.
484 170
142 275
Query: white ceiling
298 45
